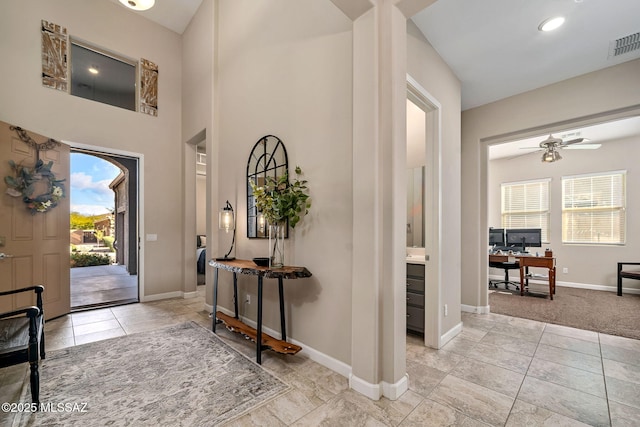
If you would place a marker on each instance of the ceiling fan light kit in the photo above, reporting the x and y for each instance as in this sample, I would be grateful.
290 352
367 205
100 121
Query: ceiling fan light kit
551 155
138 4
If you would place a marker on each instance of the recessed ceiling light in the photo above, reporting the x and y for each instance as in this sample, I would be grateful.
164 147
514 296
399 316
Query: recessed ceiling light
93 70
551 24
138 4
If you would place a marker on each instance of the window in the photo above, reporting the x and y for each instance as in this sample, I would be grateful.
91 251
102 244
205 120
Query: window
526 205
102 77
593 208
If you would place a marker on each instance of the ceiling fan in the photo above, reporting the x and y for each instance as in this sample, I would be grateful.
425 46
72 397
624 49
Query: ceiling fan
552 145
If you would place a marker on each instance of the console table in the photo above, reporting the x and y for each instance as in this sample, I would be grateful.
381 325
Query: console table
526 261
262 340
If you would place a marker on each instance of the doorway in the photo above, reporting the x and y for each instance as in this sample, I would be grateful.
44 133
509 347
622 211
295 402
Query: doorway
104 229
426 117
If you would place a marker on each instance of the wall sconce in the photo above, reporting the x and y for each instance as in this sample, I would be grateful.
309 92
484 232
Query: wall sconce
227 222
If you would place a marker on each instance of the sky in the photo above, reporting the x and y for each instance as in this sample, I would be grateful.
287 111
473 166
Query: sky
89 184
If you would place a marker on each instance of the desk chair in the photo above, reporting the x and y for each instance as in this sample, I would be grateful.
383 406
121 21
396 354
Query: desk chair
506 266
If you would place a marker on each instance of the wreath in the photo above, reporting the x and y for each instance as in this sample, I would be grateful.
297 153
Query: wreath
23 182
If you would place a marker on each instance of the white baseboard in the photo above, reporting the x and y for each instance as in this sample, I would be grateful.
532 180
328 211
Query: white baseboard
394 391
187 295
313 354
372 391
157 297
450 334
559 283
168 295
474 309
376 391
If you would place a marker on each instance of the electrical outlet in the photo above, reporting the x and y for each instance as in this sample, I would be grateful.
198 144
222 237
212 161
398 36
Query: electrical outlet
446 310
565 270
247 299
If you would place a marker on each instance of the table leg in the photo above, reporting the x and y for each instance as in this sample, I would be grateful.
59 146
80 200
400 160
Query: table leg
235 293
522 280
552 282
215 299
283 327
259 329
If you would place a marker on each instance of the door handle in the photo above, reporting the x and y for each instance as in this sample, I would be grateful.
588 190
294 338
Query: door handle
3 255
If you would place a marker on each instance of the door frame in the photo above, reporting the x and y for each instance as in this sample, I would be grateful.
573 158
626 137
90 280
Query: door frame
433 211
140 211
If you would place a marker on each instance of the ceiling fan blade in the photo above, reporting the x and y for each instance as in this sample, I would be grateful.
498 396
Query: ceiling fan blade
573 141
583 147
529 148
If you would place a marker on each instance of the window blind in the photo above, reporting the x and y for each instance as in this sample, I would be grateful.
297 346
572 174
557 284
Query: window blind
594 208
526 205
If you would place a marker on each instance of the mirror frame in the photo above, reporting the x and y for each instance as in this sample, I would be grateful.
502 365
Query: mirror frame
268 158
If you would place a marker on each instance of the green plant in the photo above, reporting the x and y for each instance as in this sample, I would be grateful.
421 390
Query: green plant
108 241
84 259
279 200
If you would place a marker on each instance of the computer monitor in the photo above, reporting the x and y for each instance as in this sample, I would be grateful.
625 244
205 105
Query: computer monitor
524 237
496 236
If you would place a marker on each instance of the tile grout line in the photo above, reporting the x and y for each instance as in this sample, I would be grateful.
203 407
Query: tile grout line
525 375
604 380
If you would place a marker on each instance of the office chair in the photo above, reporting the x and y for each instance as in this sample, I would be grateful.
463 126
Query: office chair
506 266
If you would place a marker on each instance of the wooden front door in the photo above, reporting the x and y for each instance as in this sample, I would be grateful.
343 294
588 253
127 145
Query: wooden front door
36 243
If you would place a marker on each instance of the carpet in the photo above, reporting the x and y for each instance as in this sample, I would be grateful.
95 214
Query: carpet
598 311
181 375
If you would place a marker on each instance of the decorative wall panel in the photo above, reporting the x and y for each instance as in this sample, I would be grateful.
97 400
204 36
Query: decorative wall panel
54 56
148 87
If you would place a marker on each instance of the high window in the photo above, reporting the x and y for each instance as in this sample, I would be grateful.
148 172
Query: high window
526 205
593 208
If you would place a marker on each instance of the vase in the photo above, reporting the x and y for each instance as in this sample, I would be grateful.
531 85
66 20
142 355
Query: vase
276 244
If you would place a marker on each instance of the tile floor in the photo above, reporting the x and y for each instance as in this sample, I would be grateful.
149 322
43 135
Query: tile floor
499 371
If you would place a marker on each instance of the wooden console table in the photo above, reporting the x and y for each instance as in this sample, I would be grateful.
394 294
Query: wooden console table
241 266
526 261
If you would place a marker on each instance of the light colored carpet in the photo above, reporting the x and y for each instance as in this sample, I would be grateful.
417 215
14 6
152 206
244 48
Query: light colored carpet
598 311
181 375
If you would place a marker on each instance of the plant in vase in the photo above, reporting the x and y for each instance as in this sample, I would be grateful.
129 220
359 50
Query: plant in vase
281 201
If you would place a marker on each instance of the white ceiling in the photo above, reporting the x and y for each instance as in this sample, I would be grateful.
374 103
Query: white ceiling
496 50
172 14
597 134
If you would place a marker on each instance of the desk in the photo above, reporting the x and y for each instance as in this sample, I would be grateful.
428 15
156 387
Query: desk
526 261
262 340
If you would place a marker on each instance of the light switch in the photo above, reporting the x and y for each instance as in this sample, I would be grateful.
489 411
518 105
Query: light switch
152 237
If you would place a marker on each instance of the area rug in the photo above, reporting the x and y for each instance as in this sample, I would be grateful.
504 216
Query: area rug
181 375
598 311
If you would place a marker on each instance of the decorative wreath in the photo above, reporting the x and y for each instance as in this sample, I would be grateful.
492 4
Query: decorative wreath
22 184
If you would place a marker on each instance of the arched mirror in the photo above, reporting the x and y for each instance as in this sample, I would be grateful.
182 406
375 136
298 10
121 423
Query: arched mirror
268 158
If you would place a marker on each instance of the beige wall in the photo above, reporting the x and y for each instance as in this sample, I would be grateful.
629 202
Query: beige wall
425 65
608 93
284 68
292 78
25 102
589 265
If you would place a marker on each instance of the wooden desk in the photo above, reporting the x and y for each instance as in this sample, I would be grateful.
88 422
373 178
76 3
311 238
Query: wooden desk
241 266
526 261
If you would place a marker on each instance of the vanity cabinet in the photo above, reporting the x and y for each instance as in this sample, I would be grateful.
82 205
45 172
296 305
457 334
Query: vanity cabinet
415 298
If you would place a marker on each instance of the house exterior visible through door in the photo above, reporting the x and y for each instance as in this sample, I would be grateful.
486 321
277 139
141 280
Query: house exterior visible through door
117 282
